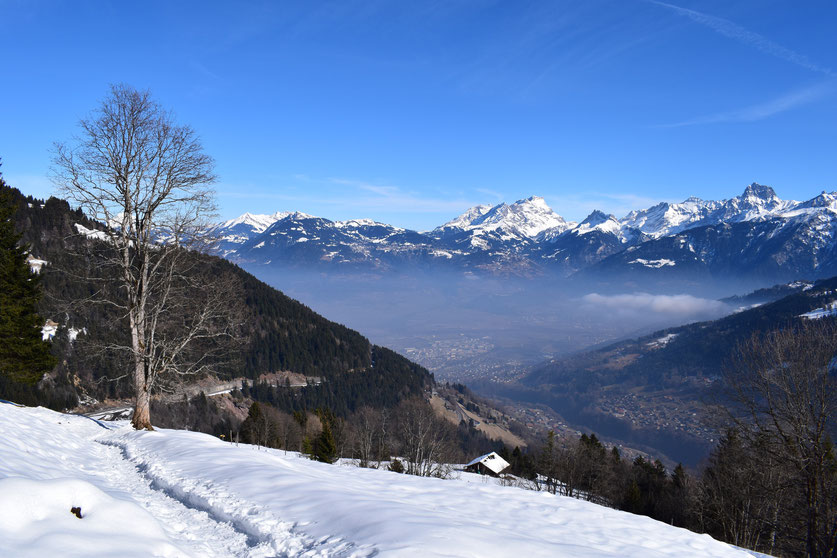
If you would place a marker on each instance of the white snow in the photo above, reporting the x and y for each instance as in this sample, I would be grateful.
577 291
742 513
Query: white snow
177 493
656 264
90 233
441 254
72 333
829 309
35 520
49 330
51 463
662 341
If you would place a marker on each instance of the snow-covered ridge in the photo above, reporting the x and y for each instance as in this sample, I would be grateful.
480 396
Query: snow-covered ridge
532 218
175 493
465 220
755 203
528 236
91 233
357 223
523 219
259 223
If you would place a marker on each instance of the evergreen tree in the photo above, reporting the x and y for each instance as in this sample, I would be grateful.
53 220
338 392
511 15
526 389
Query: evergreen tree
325 447
24 356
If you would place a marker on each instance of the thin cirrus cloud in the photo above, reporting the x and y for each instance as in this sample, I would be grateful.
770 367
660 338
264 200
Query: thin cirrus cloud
353 194
764 110
394 199
745 36
761 43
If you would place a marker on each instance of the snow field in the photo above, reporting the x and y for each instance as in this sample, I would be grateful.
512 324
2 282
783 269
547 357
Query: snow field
176 493
122 515
35 521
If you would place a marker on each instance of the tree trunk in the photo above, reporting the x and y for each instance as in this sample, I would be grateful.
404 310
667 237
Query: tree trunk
142 419
142 407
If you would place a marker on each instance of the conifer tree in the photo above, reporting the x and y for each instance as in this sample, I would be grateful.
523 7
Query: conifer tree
326 447
24 356
326 450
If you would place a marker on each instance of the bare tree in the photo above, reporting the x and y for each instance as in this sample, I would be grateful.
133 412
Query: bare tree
288 431
784 392
425 439
741 493
146 179
364 427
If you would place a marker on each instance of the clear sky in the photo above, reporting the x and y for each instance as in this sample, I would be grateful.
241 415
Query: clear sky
411 112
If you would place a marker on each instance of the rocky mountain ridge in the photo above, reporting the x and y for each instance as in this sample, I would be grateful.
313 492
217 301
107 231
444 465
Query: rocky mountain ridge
782 238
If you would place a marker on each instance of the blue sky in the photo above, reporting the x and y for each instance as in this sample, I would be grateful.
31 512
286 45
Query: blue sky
411 112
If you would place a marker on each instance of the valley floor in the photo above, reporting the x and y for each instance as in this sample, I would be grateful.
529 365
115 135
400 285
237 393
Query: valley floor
177 493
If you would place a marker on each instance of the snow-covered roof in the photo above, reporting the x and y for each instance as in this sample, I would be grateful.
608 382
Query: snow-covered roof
35 264
491 461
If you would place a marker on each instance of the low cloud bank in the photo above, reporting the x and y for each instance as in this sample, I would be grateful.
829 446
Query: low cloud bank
680 306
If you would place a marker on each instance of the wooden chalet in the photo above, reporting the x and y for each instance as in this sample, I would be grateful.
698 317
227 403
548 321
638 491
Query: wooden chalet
489 464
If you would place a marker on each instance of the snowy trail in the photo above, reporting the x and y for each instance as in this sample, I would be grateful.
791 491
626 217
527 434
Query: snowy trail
191 529
266 534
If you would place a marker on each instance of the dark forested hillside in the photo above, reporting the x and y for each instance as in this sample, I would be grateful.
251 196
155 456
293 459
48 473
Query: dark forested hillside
696 350
651 391
277 332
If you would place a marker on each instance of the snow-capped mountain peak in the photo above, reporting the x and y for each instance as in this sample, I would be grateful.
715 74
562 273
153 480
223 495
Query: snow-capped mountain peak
825 199
757 202
596 218
669 218
466 219
524 218
257 222
759 191
599 221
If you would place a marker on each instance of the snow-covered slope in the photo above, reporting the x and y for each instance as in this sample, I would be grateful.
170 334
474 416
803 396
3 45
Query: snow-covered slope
176 493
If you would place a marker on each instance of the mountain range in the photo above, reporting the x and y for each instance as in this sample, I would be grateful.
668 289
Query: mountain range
753 234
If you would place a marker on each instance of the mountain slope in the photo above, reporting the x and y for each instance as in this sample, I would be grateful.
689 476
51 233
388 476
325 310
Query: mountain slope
177 493
649 390
777 249
279 333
